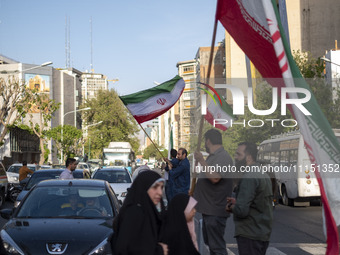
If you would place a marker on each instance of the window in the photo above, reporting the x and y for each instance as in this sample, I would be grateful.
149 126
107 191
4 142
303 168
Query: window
187 69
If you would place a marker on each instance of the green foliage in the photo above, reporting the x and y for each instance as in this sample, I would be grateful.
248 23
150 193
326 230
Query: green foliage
118 124
313 71
152 152
309 66
69 143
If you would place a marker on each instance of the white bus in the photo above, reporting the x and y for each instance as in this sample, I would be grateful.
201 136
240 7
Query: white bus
119 154
286 156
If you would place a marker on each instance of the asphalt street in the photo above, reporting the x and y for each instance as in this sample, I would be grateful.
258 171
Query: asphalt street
296 230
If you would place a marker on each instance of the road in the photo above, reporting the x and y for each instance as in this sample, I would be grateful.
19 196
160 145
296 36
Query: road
296 230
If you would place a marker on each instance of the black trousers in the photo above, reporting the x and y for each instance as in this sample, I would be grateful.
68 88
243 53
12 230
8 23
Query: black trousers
248 246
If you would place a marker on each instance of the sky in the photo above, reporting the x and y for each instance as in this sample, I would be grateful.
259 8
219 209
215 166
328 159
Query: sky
135 41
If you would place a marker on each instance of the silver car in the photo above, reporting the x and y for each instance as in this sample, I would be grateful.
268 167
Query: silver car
118 177
13 172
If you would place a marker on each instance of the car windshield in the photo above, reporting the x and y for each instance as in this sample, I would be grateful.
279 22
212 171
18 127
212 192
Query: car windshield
42 175
66 202
15 169
113 176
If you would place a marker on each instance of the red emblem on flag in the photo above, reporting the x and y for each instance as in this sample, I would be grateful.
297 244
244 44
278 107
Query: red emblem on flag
161 101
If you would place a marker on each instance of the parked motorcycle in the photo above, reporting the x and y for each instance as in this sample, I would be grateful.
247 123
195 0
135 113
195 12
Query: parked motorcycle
14 190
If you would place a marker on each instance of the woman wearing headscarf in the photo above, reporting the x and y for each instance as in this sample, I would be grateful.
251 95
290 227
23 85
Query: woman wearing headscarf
138 224
179 229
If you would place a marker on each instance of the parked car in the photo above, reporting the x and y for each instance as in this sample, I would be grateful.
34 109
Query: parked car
44 167
118 177
42 175
3 183
42 215
13 172
54 166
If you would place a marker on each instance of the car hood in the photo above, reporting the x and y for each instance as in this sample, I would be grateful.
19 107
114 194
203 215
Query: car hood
80 235
118 188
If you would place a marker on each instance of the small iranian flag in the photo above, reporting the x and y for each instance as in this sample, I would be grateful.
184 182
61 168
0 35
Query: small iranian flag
256 28
149 104
219 114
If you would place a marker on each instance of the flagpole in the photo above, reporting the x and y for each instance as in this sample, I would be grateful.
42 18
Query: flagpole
151 141
200 130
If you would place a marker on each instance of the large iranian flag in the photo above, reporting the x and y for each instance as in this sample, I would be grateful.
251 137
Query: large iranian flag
149 104
256 28
219 114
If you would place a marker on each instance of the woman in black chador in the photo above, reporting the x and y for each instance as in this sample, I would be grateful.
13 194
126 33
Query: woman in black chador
138 224
179 229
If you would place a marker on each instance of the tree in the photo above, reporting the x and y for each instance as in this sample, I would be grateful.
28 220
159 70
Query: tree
44 107
71 140
118 124
14 101
313 71
152 152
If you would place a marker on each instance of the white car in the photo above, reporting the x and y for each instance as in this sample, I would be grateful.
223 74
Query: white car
118 177
13 172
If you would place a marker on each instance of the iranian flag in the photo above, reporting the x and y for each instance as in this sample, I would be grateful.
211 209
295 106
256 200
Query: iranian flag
256 28
219 114
149 104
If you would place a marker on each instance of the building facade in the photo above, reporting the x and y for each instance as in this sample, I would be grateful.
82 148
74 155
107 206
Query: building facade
91 83
187 103
63 86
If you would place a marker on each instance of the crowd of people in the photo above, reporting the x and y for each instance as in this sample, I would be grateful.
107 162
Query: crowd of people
145 225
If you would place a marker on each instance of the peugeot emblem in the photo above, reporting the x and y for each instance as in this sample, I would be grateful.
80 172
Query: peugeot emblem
56 248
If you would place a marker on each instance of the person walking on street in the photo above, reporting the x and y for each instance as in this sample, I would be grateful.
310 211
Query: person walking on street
71 165
180 175
179 229
168 181
212 190
137 227
252 208
24 171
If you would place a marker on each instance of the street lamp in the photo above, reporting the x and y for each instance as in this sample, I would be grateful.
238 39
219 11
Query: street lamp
28 69
62 128
86 130
329 61
34 67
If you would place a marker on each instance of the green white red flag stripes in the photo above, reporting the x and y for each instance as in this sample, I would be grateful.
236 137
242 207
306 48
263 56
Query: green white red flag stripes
149 104
220 116
256 28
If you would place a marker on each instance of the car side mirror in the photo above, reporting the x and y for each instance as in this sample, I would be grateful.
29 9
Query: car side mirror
6 213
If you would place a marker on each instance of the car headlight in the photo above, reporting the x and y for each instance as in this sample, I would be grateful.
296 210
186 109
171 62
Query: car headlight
10 246
104 248
13 179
